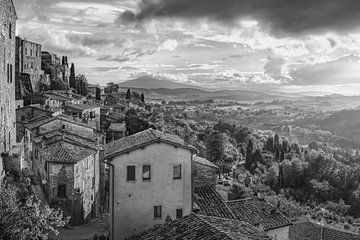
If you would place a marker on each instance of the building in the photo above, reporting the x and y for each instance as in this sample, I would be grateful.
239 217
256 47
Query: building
69 168
150 181
88 113
204 172
94 91
61 66
7 80
116 131
201 227
28 71
28 57
48 124
49 59
25 114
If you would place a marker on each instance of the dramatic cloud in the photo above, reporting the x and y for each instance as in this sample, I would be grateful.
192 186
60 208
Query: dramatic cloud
345 70
169 45
285 44
282 16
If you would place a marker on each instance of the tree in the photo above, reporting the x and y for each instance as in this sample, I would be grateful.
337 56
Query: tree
142 97
26 220
270 144
128 95
276 142
249 155
135 123
215 147
98 94
72 76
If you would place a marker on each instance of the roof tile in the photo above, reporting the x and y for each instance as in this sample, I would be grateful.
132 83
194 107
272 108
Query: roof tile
258 213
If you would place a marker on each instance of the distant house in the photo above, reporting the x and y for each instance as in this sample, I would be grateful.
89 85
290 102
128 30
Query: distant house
150 181
200 227
204 172
116 131
25 114
88 113
312 231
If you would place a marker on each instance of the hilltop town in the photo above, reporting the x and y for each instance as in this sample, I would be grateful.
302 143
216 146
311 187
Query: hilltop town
85 161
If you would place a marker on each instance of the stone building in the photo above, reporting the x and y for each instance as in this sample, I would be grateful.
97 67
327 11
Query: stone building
204 172
69 167
7 79
150 181
54 67
25 114
27 67
88 113
49 59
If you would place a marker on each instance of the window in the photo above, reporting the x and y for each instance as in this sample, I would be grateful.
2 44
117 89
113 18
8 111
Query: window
177 171
11 73
130 176
157 212
146 173
179 213
8 73
22 118
10 31
61 191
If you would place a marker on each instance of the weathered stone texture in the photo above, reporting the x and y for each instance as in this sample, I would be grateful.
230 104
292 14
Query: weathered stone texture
7 77
204 175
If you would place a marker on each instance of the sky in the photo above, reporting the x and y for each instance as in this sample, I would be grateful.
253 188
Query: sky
292 46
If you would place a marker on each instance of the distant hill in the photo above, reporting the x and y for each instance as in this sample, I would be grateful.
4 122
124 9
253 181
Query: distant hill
344 123
184 94
148 82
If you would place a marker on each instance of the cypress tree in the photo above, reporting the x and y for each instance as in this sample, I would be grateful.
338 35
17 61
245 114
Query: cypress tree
142 97
128 95
249 155
72 76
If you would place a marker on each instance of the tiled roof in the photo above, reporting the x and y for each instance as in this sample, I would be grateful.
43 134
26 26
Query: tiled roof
36 107
204 161
57 97
117 127
312 231
258 213
63 134
211 203
66 152
198 227
60 117
81 107
142 139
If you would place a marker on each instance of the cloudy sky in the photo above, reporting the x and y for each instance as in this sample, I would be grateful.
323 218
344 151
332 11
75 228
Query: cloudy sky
288 45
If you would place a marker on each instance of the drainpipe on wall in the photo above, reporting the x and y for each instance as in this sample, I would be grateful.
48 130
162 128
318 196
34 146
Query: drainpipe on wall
112 200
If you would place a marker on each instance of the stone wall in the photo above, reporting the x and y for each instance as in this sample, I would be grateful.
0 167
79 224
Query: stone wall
204 175
7 77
